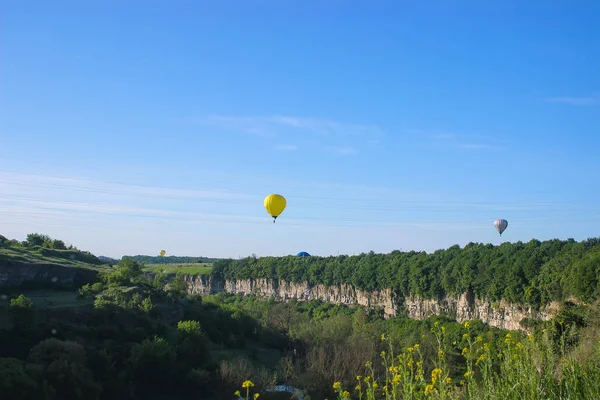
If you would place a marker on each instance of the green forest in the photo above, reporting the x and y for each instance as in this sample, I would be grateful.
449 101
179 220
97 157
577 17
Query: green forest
534 273
128 334
172 259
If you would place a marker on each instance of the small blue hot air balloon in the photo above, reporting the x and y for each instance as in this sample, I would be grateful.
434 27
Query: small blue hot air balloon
303 254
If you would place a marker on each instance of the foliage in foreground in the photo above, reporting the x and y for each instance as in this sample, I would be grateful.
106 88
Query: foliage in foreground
511 369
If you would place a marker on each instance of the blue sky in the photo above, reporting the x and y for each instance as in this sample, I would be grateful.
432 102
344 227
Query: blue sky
131 126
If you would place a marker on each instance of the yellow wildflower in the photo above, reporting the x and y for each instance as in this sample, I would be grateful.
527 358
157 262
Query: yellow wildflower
367 378
237 393
382 354
436 374
479 339
467 324
382 337
416 346
358 377
337 386
410 349
448 380
256 395
396 379
467 374
247 384
357 388
346 394
454 343
429 389
375 385
465 336
464 351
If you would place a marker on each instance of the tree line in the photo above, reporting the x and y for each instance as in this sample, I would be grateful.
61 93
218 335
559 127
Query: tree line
171 259
535 272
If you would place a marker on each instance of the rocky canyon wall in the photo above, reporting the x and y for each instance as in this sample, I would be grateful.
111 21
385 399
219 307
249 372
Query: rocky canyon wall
46 275
461 307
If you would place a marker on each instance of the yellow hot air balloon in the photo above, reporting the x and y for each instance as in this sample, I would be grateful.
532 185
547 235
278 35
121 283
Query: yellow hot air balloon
162 253
275 204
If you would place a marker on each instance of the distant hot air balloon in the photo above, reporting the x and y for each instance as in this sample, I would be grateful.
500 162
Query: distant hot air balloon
162 253
303 254
275 204
500 225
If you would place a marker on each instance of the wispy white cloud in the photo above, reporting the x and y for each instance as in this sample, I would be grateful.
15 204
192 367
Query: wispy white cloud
575 101
251 125
324 126
475 146
286 147
65 209
345 150
273 125
23 182
465 142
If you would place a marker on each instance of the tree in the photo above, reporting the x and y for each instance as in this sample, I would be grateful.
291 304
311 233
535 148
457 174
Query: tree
21 301
152 363
63 365
15 382
36 239
129 269
178 284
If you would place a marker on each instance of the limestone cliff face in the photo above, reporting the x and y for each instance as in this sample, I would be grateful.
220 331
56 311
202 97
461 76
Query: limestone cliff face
465 307
44 274
461 307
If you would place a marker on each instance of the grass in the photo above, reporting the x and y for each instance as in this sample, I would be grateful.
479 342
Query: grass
189 268
38 255
252 350
48 298
511 369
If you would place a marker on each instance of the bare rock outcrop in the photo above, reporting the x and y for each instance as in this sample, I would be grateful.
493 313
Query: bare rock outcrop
460 307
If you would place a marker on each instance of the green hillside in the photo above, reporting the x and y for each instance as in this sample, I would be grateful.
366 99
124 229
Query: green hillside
126 335
533 273
41 249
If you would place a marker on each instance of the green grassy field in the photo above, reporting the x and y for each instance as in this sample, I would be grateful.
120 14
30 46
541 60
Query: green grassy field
38 255
51 299
191 268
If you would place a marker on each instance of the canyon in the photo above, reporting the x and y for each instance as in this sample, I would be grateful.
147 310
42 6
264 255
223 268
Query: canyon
461 307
